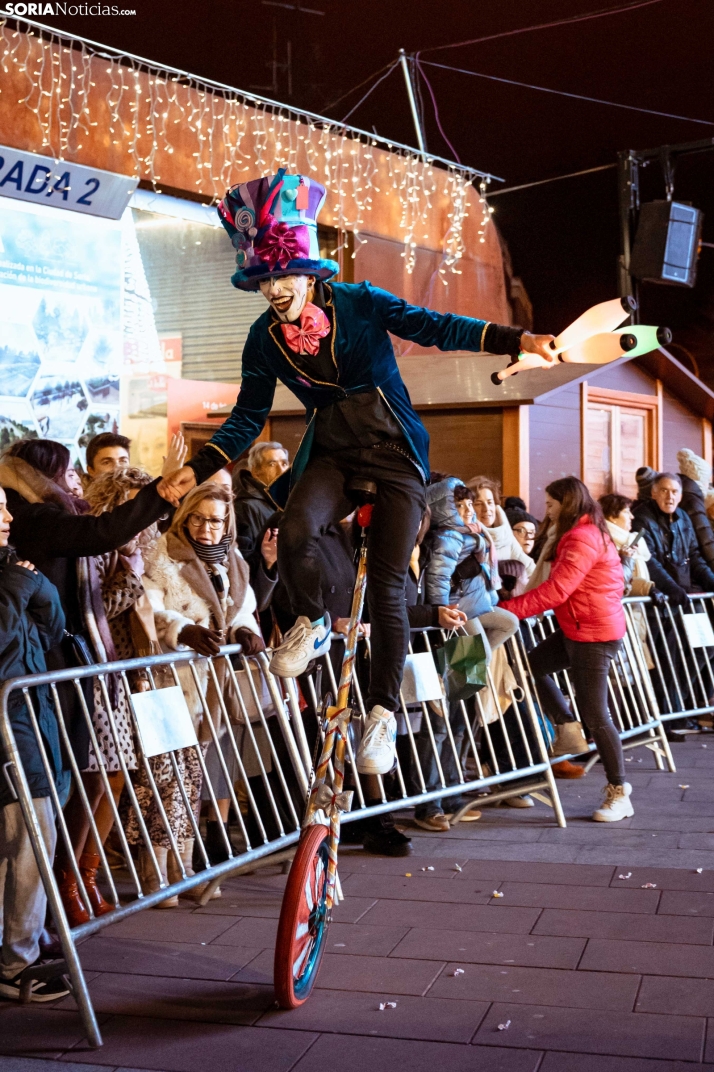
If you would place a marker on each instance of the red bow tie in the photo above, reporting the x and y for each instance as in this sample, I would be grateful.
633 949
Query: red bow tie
304 338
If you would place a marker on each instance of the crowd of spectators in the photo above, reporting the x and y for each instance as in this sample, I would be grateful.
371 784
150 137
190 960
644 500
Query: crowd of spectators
96 567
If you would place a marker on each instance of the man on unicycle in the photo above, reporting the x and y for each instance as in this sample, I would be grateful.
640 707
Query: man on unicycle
329 343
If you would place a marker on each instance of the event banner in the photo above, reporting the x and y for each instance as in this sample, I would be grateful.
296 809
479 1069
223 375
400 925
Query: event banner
62 184
61 344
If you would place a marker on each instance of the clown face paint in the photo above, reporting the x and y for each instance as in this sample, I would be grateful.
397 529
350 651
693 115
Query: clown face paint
288 294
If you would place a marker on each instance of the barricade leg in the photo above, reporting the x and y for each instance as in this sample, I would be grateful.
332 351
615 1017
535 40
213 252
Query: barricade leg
14 772
537 732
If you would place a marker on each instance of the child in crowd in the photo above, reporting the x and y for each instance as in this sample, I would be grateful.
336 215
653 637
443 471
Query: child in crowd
464 568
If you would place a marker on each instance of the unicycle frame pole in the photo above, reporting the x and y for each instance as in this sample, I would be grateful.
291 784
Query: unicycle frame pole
338 716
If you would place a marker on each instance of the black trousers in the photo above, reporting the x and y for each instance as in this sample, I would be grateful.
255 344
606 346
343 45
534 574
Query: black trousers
319 499
589 666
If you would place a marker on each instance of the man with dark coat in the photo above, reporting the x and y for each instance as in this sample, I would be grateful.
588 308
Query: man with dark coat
330 344
677 565
254 505
257 514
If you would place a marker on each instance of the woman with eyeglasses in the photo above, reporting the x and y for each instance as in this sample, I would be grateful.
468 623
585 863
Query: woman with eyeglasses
197 582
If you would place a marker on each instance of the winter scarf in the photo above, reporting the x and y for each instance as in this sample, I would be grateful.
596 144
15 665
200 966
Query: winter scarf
212 555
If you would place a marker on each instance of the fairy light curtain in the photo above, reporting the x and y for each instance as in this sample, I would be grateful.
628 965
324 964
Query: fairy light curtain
176 132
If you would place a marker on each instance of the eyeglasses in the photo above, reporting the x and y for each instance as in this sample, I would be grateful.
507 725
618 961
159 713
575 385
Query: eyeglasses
197 521
524 532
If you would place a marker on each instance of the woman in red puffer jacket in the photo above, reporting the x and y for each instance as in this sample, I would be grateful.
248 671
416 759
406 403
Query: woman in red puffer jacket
585 590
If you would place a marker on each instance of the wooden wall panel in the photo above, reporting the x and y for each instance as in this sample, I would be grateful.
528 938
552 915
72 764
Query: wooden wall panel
516 451
680 429
624 378
466 443
706 440
554 443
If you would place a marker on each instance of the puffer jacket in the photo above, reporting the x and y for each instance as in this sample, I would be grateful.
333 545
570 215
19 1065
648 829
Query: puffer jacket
31 622
451 544
693 505
585 587
677 563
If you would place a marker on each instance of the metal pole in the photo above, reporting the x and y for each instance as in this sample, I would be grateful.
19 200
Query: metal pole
628 192
412 100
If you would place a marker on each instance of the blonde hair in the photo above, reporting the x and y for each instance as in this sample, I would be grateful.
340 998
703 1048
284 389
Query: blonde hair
112 489
216 492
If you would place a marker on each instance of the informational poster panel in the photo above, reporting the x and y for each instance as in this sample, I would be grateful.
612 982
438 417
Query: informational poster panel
61 344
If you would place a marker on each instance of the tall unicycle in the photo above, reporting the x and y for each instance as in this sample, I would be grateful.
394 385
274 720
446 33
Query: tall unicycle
310 891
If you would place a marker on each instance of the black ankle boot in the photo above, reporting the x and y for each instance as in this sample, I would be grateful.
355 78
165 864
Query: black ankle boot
214 843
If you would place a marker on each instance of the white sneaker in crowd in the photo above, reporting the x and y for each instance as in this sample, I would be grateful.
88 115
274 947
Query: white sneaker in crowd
616 805
378 748
524 801
301 644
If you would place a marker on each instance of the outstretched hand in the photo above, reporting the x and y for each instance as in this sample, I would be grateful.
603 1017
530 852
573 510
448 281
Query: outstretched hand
536 353
174 485
176 456
539 345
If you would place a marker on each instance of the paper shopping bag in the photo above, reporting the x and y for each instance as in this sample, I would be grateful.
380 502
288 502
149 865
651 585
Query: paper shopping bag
463 666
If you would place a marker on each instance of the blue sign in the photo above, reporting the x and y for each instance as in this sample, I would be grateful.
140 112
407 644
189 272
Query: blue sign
46 181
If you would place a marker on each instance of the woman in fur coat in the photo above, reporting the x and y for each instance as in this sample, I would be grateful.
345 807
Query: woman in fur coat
197 582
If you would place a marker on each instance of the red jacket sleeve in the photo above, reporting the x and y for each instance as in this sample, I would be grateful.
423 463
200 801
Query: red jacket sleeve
576 556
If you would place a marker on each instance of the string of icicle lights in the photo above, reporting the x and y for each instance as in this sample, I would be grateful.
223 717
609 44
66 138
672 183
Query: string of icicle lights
149 113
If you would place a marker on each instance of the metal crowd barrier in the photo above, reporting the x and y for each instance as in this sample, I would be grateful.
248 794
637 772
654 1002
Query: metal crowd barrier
681 642
255 754
492 744
263 734
632 695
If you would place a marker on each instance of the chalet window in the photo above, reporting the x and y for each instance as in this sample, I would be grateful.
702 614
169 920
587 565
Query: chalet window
620 434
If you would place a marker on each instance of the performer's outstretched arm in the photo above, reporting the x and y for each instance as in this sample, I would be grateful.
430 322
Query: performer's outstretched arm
246 422
447 331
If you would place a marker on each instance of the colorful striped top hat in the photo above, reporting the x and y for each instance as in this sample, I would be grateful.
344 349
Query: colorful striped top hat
272 223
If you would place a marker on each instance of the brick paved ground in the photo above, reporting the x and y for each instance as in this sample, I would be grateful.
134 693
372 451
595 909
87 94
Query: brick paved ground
591 972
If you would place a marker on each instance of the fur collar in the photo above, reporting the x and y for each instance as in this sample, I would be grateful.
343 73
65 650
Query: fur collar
32 485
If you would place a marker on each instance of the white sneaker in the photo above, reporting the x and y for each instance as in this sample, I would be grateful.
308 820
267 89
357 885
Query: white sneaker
378 748
616 805
520 802
301 644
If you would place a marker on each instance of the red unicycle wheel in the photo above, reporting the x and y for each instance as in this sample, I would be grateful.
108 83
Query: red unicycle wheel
302 930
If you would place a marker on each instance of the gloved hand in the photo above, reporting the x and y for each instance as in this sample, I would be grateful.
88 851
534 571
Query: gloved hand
679 598
249 641
658 598
204 641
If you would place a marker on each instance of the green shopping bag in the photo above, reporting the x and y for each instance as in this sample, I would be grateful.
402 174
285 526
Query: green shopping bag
462 665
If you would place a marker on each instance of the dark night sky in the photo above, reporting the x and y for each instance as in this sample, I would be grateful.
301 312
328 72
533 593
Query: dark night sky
563 237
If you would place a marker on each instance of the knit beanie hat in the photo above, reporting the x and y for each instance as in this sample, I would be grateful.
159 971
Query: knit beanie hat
645 477
516 515
691 465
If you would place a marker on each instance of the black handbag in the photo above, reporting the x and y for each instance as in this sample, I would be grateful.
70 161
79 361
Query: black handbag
80 649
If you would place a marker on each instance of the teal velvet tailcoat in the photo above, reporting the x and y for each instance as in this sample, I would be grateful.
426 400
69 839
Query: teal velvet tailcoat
362 316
